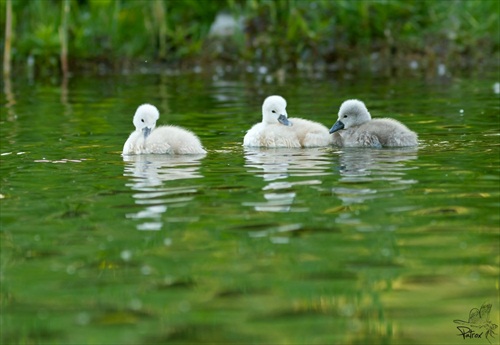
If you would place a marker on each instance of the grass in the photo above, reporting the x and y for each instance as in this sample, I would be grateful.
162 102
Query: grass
290 34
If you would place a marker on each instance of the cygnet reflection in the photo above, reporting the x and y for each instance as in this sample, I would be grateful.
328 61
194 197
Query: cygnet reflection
148 174
358 166
276 165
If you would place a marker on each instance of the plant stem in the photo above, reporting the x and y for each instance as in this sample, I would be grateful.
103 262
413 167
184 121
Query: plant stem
8 39
63 32
162 28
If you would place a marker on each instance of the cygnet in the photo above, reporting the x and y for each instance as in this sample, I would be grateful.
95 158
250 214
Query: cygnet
356 128
162 140
277 130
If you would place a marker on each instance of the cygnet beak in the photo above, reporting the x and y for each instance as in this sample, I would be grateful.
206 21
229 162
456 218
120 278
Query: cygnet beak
337 126
146 131
284 120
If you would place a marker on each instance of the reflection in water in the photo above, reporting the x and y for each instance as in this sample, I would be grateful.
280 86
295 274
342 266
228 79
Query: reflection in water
361 167
64 96
357 163
147 176
10 99
381 174
278 164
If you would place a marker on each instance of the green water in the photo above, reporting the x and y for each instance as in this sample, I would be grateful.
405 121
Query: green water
311 246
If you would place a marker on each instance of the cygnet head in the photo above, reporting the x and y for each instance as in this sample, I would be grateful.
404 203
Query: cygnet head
351 113
274 111
145 118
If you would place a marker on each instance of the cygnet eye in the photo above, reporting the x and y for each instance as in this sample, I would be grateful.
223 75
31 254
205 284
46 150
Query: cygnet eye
345 116
274 111
142 120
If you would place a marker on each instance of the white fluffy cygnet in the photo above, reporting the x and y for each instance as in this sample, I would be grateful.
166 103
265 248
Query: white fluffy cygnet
162 140
356 128
277 130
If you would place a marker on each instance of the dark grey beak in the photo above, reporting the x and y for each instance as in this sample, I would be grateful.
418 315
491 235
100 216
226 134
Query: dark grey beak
284 120
146 131
337 126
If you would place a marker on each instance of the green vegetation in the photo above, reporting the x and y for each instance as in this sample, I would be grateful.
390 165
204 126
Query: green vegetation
338 34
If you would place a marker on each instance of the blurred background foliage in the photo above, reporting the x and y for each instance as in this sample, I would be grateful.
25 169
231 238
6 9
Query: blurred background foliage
290 34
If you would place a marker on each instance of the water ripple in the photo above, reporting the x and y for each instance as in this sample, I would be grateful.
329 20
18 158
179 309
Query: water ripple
148 175
280 164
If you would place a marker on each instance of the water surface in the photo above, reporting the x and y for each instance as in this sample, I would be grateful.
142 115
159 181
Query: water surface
303 246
